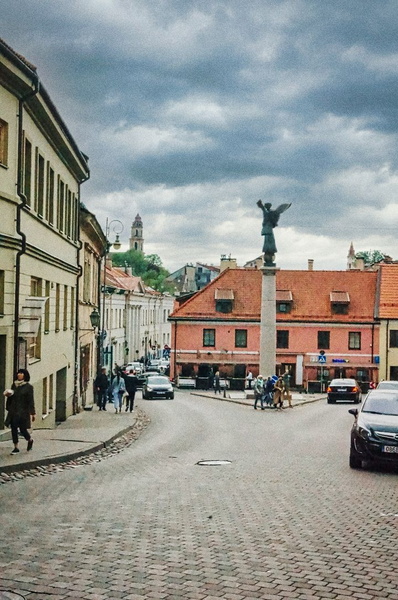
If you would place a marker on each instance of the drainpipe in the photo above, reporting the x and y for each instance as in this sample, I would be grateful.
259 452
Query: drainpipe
175 350
75 400
20 193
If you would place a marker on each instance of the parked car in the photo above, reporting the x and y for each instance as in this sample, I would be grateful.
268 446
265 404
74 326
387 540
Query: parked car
374 435
152 370
157 386
137 366
344 389
387 385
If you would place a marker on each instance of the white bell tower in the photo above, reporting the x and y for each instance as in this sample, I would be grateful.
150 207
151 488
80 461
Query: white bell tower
136 239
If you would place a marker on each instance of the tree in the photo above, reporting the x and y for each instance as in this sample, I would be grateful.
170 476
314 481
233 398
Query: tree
371 257
149 268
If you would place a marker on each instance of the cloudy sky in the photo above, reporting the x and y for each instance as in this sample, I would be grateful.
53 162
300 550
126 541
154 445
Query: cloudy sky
192 110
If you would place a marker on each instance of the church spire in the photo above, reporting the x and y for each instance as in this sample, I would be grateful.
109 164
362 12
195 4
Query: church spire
136 238
351 260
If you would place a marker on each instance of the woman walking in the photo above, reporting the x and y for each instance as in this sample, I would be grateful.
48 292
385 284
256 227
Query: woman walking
118 387
21 408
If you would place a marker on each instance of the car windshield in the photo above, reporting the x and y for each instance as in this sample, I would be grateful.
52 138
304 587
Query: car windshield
157 380
342 382
381 406
388 385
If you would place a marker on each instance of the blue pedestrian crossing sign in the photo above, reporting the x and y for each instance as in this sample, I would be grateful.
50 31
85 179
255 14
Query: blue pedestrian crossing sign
322 358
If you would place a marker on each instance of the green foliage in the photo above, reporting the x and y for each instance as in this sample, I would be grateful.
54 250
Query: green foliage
148 267
370 257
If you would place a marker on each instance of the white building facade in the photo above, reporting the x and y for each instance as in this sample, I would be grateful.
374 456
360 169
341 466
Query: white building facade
41 170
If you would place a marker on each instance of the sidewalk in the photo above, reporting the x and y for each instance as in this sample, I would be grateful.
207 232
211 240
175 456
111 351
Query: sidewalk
247 398
79 435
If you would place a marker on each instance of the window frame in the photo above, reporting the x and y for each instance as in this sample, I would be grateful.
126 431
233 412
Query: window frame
3 143
243 343
323 345
354 340
393 338
209 338
282 338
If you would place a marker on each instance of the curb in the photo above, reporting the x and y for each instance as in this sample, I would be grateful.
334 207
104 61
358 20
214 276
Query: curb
247 403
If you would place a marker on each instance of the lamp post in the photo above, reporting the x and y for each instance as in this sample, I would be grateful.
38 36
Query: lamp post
117 227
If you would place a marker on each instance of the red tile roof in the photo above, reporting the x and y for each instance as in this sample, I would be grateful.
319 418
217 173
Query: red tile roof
310 290
388 288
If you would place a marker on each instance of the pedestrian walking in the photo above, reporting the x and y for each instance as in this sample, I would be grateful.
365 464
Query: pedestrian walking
286 388
259 392
118 387
249 379
278 393
101 385
217 387
131 382
268 392
20 406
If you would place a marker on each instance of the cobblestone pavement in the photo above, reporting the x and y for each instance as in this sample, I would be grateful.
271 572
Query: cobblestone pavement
286 518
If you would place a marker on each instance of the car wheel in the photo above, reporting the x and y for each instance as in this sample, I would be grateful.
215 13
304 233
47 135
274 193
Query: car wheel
171 396
355 461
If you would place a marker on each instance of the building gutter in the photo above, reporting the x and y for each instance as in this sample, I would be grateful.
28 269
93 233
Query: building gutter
18 219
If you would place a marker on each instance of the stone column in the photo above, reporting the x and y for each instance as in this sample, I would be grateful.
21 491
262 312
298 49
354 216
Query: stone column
268 322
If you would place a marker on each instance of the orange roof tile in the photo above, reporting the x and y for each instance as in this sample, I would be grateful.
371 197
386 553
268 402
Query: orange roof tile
388 288
310 290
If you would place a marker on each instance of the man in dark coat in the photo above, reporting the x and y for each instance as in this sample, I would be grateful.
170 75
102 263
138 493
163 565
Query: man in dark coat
131 381
21 408
101 385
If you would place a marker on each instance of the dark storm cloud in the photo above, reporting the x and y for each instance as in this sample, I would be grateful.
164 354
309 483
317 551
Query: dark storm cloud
177 102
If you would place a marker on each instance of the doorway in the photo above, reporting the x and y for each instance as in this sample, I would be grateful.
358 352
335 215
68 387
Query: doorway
60 398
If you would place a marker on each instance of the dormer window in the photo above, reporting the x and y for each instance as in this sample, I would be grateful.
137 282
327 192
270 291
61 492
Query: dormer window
340 302
284 301
224 300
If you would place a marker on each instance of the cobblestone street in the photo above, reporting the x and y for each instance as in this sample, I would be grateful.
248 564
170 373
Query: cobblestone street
284 518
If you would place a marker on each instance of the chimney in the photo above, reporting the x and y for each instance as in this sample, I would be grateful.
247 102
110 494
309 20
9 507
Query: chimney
310 264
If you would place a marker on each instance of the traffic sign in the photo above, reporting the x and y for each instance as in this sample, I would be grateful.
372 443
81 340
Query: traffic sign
322 358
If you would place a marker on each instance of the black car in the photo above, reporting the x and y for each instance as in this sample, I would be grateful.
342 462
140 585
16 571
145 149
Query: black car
157 386
344 389
374 435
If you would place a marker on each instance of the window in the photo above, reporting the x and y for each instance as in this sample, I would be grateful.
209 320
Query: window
47 308
340 309
61 204
282 339
44 400
224 306
72 307
323 340
36 286
50 195
209 337
39 199
57 305
51 392
283 307
65 307
241 338
1 292
3 143
354 340
27 172
394 338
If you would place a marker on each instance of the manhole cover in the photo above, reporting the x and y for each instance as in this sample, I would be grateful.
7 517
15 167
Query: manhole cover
213 463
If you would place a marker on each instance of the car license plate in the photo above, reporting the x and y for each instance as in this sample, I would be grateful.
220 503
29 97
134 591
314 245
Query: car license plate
342 389
390 449
161 393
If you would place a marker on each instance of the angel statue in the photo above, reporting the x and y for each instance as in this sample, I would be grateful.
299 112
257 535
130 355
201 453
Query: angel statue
270 220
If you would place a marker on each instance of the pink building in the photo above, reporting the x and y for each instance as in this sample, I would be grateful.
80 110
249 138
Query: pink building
325 327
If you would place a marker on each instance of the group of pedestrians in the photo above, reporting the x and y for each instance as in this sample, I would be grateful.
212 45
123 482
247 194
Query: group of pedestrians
271 393
122 385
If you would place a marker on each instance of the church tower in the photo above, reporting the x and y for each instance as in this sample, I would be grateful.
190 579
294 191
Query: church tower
351 260
136 239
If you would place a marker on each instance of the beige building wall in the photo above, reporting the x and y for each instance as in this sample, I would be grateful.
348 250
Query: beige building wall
388 354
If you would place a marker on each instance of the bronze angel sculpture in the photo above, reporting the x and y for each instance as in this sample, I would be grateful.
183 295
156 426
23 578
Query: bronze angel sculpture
270 220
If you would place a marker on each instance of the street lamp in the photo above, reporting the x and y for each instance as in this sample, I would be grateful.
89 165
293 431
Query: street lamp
95 319
117 227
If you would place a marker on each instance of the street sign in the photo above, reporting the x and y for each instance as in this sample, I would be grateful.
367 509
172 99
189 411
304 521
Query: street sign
322 358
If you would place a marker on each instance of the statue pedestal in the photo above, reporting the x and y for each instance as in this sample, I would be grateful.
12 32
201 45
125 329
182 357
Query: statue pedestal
267 363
